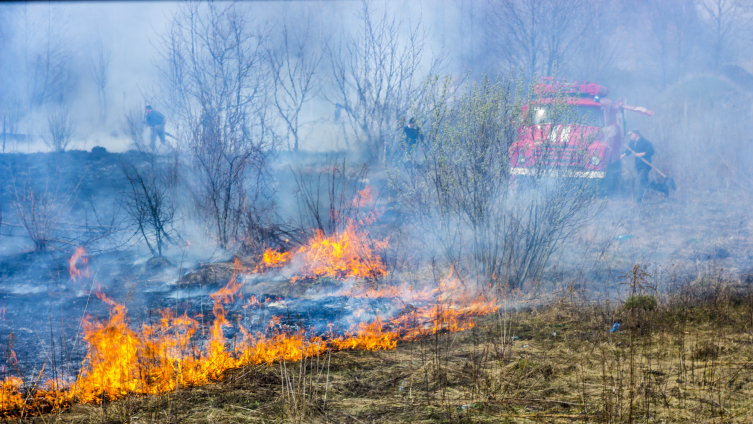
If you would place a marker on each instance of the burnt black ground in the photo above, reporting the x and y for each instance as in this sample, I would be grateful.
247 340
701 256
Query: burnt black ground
46 316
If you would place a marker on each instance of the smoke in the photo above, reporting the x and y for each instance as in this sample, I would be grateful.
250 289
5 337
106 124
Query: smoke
666 56
99 62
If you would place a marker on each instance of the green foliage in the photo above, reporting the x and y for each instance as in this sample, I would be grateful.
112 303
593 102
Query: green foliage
645 302
524 364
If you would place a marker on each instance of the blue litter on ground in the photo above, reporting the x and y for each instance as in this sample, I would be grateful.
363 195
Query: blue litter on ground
615 327
624 237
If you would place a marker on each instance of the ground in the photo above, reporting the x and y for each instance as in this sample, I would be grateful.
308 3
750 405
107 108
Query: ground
691 355
688 358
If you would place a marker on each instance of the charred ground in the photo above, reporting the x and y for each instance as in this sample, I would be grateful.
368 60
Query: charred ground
686 358
449 376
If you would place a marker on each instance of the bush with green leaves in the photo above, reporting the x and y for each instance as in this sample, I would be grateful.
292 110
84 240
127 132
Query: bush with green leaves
645 302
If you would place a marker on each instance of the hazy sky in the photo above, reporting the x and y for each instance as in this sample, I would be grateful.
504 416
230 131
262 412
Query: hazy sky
132 30
636 48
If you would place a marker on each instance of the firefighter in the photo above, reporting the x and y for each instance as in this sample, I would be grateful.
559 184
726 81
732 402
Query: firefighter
412 134
156 122
643 150
405 146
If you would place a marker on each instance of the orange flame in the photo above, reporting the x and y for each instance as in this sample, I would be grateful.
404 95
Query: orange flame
272 259
79 254
344 255
164 355
161 357
365 196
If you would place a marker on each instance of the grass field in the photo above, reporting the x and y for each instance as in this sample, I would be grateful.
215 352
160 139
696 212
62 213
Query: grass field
686 356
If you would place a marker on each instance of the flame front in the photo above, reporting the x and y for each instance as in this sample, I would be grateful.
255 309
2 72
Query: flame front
350 253
164 355
159 357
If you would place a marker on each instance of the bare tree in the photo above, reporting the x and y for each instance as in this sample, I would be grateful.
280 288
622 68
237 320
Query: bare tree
215 83
727 18
47 58
673 36
375 72
47 205
60 130
11 119
294 59
41 206
150 205
537 34
596 55
99 69
328 212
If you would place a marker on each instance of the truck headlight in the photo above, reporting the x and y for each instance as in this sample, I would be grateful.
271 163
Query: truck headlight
595 161
521 159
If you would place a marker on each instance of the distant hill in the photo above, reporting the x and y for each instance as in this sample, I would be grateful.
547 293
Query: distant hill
707 91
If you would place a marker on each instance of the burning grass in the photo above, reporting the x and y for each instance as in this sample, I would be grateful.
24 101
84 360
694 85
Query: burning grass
689 359
682 359
349 254
168 355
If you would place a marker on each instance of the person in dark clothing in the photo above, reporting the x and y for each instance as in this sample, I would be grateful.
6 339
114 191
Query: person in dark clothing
156 122
403 149
412 134
643 150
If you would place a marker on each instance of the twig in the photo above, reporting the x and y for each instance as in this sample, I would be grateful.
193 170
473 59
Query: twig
240 407
11 225
354 418
561 402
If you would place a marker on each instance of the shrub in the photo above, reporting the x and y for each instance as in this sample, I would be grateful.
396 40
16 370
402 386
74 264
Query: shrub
645 302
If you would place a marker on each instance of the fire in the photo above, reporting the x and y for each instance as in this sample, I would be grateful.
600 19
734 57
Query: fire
348 254
79 255
364 197
175 351
161 356
273 258
10 394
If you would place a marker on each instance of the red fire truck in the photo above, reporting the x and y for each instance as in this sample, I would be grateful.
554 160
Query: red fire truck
588 146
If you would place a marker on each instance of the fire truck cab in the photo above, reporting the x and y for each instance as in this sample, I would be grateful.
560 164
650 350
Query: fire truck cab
587 147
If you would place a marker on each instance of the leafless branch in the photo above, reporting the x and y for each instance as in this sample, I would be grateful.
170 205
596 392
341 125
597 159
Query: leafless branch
99 70
293 59
215 83
60 130
150 205
375 73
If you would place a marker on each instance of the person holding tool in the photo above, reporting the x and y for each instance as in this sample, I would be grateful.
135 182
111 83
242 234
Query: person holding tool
643 151
156 122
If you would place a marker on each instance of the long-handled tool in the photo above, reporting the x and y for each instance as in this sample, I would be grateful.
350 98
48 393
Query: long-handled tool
670 181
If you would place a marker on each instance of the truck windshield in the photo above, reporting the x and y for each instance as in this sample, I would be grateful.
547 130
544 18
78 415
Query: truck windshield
582 115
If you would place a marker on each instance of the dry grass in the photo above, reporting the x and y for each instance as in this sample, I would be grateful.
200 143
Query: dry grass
689 359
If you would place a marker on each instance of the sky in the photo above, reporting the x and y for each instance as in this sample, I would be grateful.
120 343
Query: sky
637 49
